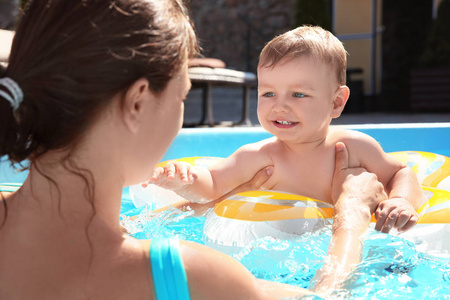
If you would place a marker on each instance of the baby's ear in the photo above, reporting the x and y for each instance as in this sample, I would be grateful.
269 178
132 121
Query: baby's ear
340 99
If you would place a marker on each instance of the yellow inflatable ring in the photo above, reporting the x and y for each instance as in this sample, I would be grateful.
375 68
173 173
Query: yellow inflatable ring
432 170
247 216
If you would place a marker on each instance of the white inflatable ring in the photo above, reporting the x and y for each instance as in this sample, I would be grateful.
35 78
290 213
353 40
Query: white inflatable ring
244 217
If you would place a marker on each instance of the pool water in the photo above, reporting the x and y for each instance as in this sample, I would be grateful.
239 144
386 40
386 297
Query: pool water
391 267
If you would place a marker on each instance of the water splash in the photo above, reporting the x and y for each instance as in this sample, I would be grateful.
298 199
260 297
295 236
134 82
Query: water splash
391 267
287 261
171 223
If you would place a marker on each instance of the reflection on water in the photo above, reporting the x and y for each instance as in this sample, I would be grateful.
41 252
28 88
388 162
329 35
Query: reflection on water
391 268
171 223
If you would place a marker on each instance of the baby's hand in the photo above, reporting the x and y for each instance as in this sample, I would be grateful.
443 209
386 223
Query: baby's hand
174 175
395 213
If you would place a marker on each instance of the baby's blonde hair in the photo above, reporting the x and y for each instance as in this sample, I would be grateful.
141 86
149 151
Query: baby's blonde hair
312 41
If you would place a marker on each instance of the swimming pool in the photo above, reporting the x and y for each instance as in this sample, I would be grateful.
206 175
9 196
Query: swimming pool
391 268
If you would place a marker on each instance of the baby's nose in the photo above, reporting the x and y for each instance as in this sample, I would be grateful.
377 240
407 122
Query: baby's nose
280 105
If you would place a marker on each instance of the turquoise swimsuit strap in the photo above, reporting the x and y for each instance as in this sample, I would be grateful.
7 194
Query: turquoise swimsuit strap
169 275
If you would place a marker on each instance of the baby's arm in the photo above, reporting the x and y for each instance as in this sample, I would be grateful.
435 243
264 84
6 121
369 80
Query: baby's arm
399 211
201 184
193 183
400 182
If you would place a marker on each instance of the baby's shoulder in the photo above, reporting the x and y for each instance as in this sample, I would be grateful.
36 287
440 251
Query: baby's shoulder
351 138
361 147
340 133
258 151
260 146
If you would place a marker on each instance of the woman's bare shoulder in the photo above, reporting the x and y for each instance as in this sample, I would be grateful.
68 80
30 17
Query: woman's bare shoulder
125 260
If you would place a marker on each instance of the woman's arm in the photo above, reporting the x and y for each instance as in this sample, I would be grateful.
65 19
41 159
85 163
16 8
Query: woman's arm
215 275
356 194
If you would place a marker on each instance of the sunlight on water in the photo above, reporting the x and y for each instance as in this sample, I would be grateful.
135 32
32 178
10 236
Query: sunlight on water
287 261
171 223
391 268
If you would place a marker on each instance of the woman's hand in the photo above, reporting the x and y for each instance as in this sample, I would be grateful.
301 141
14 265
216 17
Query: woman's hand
256 183
355 186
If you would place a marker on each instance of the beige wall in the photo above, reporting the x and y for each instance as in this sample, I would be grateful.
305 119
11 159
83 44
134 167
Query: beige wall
354 17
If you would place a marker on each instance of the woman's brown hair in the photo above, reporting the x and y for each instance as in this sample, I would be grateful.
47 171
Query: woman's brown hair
71 56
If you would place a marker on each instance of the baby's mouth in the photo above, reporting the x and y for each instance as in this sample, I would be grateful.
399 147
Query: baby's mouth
284 122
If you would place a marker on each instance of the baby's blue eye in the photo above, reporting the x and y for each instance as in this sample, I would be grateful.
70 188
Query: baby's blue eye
269 94
298 95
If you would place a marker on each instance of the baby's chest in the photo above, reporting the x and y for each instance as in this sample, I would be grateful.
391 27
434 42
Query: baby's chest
310 177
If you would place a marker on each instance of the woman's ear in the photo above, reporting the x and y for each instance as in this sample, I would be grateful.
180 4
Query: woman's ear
133 103
340 99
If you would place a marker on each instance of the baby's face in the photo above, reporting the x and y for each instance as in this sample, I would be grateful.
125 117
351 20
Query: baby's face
295 99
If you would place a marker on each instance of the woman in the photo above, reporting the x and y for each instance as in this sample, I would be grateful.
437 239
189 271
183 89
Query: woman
92 98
